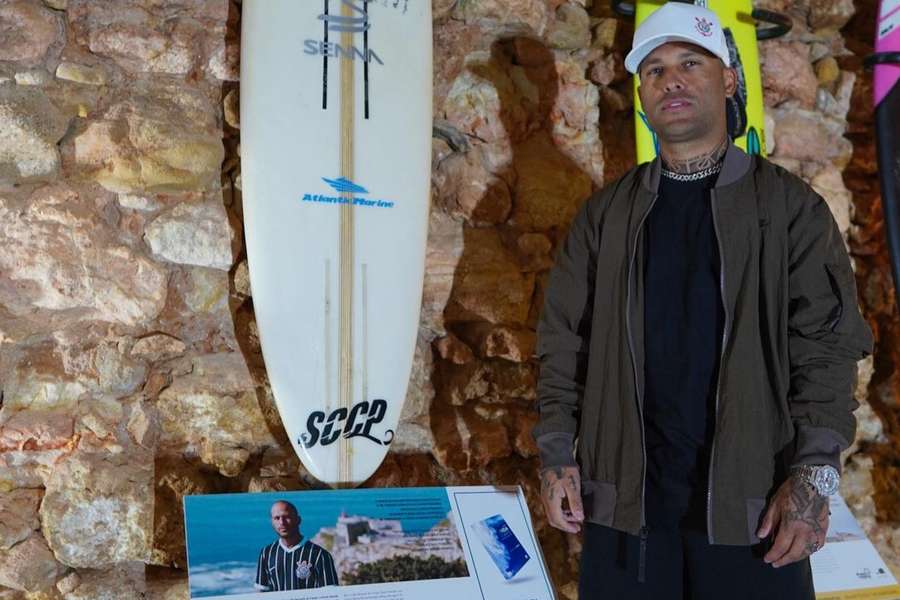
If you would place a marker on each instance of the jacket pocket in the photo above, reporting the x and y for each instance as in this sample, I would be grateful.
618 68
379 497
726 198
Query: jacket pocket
599 501
755 509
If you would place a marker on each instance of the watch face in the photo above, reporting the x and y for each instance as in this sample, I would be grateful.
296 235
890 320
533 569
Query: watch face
827 480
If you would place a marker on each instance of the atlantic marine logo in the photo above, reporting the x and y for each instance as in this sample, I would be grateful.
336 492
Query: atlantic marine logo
356 422
342 184
348 191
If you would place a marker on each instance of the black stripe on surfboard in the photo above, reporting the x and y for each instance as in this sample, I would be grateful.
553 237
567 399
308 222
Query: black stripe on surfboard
366 53
882 58
325 62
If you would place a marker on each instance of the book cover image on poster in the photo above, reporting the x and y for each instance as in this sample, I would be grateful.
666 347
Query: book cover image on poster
506 559
274 542
502 545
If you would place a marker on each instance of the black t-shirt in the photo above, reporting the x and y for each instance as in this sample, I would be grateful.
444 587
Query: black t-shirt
684 319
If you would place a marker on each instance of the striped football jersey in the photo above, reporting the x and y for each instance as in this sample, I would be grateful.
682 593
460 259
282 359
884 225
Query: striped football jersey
306 565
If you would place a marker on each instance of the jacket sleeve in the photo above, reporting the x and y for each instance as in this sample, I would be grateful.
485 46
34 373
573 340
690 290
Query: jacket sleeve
563 334
827 335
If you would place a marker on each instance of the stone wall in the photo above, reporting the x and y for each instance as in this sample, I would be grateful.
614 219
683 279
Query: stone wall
129 356
873 486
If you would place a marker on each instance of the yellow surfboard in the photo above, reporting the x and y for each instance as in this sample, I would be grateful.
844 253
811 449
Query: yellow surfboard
746 119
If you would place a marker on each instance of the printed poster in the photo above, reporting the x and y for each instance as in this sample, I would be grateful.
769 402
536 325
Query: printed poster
365 544
848 567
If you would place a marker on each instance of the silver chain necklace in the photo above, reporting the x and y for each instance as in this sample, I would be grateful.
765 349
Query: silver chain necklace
693 176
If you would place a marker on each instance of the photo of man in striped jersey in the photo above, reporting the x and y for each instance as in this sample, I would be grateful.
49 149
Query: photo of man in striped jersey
290 562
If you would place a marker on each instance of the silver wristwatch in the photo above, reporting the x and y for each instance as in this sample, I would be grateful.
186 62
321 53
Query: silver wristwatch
825 479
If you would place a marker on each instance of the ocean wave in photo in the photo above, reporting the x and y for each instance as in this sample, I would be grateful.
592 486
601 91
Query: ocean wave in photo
222 579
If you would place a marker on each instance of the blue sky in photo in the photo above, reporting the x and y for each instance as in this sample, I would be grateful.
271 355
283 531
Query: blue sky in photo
232 528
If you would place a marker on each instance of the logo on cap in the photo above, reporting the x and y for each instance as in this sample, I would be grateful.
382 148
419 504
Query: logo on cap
704 27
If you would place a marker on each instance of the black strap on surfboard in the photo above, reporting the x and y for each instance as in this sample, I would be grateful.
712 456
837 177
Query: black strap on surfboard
626 9
882 58
779 24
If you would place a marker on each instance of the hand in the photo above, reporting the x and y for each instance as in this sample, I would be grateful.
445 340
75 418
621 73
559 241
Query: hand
800 516
557 484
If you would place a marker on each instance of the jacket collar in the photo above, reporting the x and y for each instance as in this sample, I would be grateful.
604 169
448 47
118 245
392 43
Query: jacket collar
736 164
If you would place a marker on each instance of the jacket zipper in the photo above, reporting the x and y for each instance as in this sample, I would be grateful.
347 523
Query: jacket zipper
642 560
712 451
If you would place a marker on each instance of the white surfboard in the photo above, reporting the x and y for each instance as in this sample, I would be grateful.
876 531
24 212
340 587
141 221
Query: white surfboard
336 121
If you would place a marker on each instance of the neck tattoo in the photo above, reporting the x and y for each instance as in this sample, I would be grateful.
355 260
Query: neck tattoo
698 163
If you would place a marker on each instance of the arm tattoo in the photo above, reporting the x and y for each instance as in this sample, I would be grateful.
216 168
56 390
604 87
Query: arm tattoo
698 163
550 476
806 506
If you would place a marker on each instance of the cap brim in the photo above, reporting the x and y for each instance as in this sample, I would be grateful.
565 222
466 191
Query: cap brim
638 54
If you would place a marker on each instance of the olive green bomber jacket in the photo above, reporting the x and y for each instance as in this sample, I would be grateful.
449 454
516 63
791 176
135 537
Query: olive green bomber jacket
792 337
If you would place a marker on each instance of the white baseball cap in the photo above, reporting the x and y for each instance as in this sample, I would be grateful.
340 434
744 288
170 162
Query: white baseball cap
678 22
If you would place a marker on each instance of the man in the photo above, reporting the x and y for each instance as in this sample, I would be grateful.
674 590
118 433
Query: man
289 563
698 350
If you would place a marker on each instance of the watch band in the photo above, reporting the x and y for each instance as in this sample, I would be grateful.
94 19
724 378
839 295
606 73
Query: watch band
825 479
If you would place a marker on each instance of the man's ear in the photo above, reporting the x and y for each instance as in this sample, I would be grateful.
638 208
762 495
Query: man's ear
730 77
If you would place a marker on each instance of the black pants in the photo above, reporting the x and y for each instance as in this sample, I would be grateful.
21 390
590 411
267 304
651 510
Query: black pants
682 565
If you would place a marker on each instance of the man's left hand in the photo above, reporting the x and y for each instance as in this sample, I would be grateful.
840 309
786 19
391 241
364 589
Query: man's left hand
800 516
